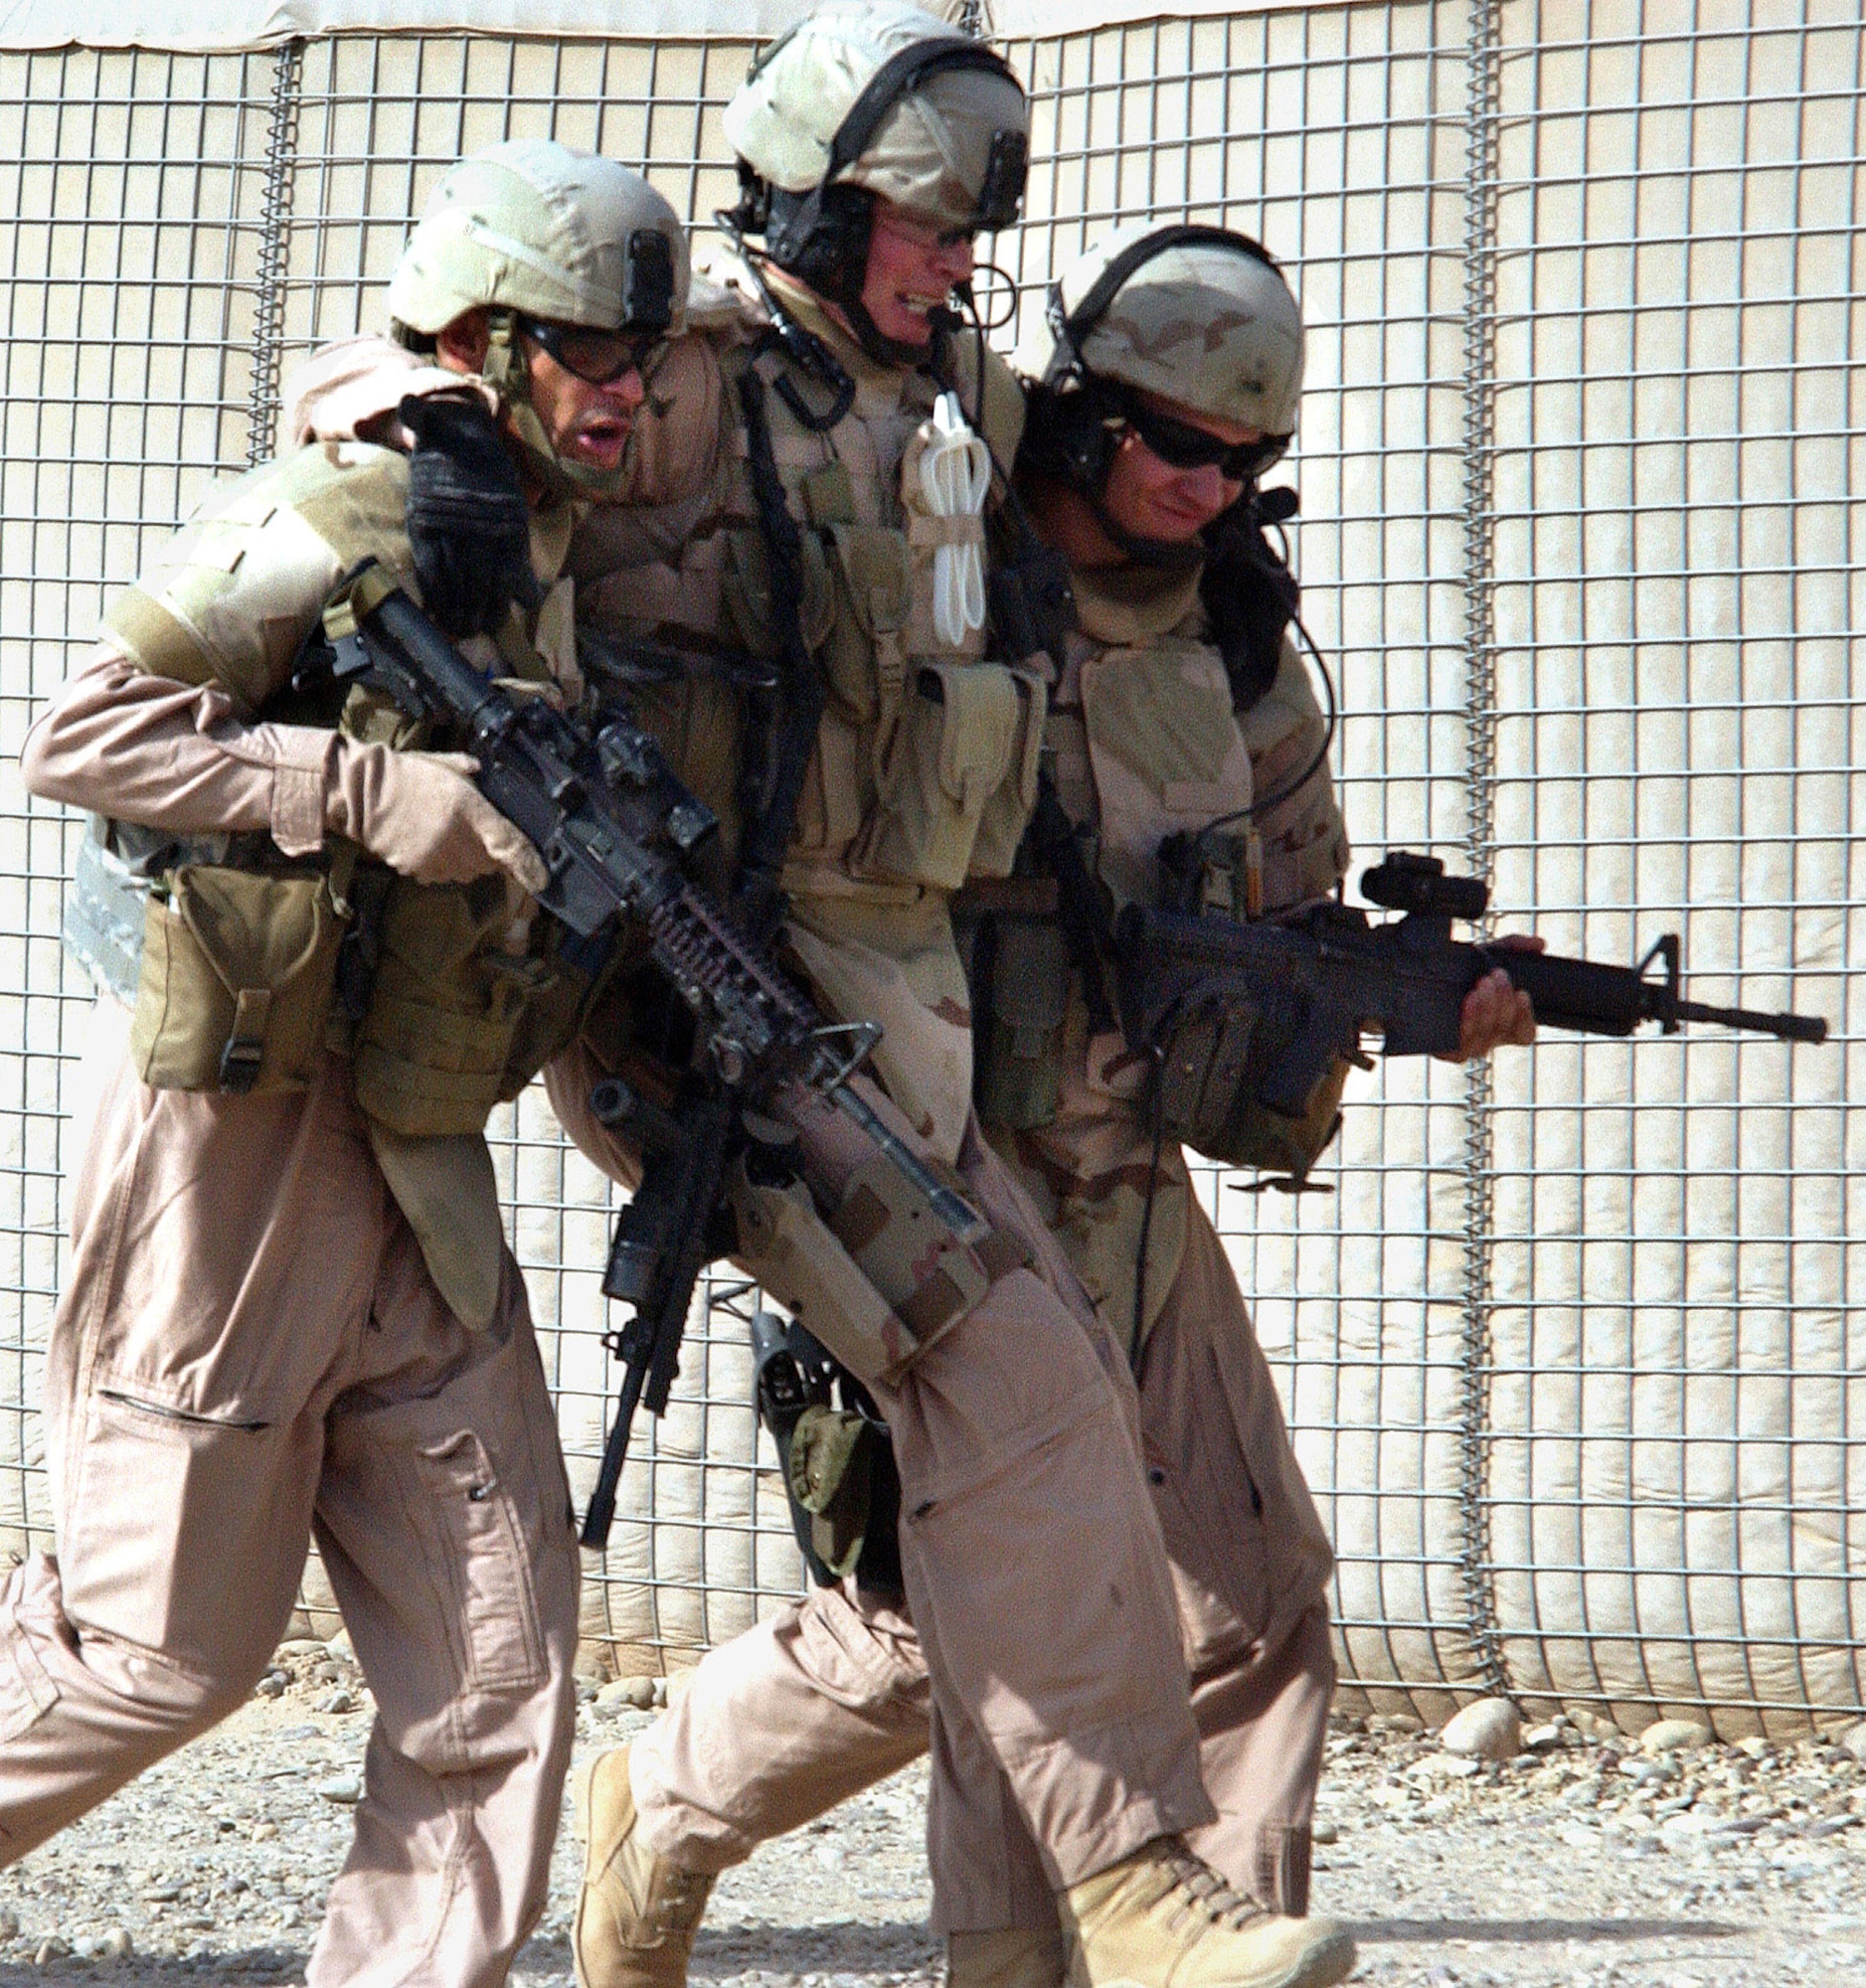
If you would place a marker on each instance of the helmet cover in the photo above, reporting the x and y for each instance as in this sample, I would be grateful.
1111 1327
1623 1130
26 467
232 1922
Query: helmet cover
1208 323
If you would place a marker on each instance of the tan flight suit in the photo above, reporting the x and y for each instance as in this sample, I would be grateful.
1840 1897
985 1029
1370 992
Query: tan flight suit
830 1695
262 1334
1032 1555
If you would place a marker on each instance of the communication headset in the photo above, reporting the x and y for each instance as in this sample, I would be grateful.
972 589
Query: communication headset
821 236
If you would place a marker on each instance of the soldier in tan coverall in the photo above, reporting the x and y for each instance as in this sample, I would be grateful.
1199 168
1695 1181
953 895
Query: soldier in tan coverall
1157 726
289 1308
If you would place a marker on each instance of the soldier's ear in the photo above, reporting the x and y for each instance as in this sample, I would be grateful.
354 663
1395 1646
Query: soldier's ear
461 347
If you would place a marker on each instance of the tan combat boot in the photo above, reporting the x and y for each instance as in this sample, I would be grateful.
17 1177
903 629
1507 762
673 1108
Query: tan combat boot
1013 1957
1164 1918
637 1913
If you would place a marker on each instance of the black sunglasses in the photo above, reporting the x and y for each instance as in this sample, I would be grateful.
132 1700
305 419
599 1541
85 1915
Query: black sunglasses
1187 446
598 357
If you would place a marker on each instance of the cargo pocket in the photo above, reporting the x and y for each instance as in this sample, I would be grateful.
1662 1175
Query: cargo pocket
951 752
433 1050
496 1610
1210 1508
171 1530
27 1688
237 980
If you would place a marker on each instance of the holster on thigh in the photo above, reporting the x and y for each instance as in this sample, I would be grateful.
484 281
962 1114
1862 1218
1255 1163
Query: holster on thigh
880 1281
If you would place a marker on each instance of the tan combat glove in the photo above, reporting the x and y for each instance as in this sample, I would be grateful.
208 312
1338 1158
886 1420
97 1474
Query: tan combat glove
419 813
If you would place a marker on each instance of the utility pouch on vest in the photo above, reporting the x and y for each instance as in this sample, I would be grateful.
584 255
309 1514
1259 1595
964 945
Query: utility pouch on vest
1007 812
432 1053
549 1019
864 658
237 980
951 753
745 591
1207 1078
1020 997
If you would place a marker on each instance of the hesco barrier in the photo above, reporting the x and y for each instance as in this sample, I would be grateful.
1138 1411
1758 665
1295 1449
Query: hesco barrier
1574 1353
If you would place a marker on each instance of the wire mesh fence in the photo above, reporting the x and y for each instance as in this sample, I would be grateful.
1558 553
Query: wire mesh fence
1573 1354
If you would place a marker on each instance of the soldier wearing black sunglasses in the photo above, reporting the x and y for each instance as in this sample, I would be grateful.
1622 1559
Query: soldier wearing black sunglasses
1184 444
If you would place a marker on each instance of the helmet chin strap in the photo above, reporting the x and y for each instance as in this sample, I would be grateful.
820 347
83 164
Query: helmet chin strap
506 372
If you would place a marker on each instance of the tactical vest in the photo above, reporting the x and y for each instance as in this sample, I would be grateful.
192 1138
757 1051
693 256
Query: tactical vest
241 965
1146 751
926 759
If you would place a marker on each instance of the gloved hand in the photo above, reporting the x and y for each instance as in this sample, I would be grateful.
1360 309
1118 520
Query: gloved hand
469 525
420 813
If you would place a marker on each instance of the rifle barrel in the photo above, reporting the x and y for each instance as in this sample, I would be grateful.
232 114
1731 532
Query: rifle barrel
1788 1028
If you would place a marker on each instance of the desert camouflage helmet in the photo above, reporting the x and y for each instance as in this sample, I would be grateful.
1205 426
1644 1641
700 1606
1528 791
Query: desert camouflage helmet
1199 315
532 227
891 98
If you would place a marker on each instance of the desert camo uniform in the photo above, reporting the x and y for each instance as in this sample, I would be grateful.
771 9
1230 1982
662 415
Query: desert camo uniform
1049 1646
289 1308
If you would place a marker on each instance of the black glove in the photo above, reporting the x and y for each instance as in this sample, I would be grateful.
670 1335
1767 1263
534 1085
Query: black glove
470 527
1249 593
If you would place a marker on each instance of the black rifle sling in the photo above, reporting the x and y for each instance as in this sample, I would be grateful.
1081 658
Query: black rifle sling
1085 918
802 696
782 761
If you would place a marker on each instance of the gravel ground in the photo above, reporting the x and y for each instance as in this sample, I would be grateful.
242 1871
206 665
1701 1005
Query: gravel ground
1581 1862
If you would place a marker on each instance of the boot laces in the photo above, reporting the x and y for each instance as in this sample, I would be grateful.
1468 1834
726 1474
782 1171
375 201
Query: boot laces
682 1898
1210 1897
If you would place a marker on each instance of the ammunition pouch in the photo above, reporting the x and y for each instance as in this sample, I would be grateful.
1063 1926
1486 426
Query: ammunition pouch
1017 962
236 979
878 1282
864 657
958 777
745 592
1211 1064
454 1024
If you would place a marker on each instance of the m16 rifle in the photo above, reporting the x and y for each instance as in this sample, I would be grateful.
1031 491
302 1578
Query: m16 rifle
613 824
1260 1010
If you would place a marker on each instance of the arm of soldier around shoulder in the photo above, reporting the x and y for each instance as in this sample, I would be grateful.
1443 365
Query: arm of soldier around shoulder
637 557
1303 838
349 391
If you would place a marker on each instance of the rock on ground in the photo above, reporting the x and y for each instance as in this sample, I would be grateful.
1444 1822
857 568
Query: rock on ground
1490 1730
1729 1867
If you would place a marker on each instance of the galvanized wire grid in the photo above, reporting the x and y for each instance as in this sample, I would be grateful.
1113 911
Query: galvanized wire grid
1580 415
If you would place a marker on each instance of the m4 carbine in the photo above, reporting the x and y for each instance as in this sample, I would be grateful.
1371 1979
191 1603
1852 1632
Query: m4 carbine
1278 1000
612 823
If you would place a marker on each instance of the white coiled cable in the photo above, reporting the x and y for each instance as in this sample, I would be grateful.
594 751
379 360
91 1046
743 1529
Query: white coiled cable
955 479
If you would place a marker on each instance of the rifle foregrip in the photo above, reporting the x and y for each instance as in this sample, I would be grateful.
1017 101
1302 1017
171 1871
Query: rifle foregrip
1578 994
1583 995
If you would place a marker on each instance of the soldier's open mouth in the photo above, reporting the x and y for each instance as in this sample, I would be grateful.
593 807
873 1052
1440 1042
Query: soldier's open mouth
602 440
